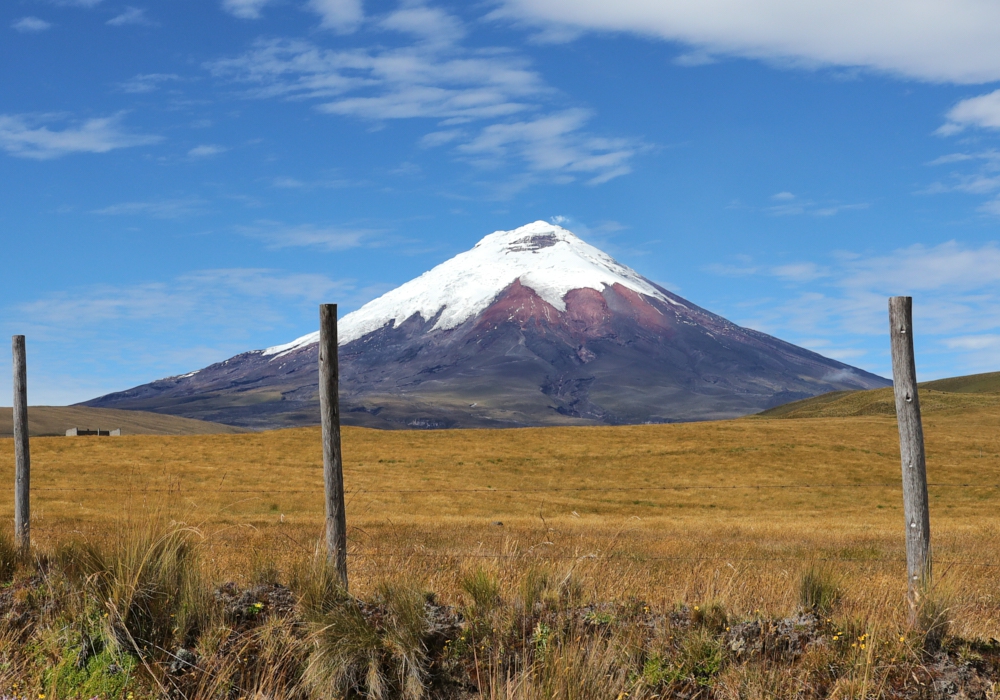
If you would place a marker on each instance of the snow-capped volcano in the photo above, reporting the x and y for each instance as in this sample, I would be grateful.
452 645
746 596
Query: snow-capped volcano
545 258
529 327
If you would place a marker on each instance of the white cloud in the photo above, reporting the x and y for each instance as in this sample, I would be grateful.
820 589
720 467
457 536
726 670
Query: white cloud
981 176
982 111
553 143
956 41
974 342
196 297
26 136
276 235
430 24
790 205
440 138
30 24
206 151
956 292
245 9
147 82
292 183
131 15
159 209
799 272
339 15
695 59
436 80
120 335
393 83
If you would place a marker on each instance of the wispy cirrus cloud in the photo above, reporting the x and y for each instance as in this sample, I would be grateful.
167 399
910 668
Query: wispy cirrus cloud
841 304
29 136
975 173
293 183
788 204
206 150
158 209
198 297
276 235
490 107
107 337
131 15
147 82
244 9
554 143
339 15
28 25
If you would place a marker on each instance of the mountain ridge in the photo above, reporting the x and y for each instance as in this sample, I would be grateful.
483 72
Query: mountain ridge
529 327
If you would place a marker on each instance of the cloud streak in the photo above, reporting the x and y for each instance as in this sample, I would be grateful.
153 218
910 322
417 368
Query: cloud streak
30 25
147 82
975 173
244 9
131 15
28 136
159 209
277 235
342 16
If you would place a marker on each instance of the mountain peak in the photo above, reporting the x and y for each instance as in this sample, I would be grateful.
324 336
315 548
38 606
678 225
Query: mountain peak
544 257
529 238
532 326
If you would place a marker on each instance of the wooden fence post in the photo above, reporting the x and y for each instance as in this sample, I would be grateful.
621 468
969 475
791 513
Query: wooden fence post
22 456
911 450
333 469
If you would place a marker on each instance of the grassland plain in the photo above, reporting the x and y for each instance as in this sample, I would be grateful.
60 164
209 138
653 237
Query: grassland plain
730 515
730 511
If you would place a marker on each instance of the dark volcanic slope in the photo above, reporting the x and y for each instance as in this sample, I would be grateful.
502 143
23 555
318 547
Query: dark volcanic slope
609 358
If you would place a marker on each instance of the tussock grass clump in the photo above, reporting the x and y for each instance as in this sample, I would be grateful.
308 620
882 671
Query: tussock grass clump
819 589
483 588
933 619
10 557
375 649
140 581
712 616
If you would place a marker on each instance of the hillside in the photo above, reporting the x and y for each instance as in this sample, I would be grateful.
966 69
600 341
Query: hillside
951 395
988 383
56 420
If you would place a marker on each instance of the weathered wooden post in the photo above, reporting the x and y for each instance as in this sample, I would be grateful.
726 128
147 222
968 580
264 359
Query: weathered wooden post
22 457
911 451
333 469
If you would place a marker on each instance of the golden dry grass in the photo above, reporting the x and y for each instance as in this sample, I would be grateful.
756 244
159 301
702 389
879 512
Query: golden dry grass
666 513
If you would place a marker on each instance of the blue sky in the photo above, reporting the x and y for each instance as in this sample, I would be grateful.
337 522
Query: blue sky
183 181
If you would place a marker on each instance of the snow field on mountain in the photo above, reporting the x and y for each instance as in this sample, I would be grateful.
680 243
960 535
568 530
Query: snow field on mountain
547 258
